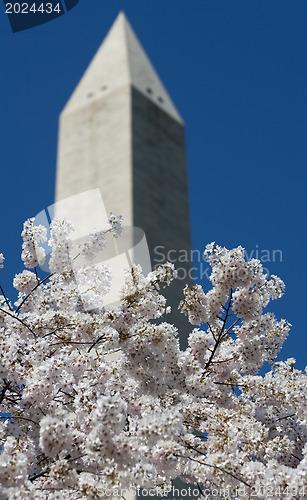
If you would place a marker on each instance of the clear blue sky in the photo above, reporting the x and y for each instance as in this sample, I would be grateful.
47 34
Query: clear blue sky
236 71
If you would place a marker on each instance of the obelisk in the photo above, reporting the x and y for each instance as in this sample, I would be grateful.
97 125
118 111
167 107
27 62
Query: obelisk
120 132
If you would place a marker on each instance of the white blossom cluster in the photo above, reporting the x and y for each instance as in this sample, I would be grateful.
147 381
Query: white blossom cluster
104 400
32 253
115 222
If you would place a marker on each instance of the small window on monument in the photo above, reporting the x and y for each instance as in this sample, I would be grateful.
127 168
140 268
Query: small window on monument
104 87
149 90
160 99
90 94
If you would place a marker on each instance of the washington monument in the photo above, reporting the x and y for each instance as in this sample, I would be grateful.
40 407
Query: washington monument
120 132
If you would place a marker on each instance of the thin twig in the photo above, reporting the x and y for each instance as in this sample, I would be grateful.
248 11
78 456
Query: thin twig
24 418
221 361
18 319
95 343
33 290
220 336
37 278
5 388
58 329
213 334
200 490
213 466
233 324
39 474
287 416
5 298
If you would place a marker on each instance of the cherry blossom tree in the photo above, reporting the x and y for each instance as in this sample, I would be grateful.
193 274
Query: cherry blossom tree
96 401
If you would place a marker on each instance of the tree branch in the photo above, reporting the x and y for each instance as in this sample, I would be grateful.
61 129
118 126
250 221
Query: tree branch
5 388
18 319
33 290
5 298
213 466
220 335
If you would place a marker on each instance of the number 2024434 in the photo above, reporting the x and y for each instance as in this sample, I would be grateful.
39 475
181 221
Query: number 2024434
27 8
